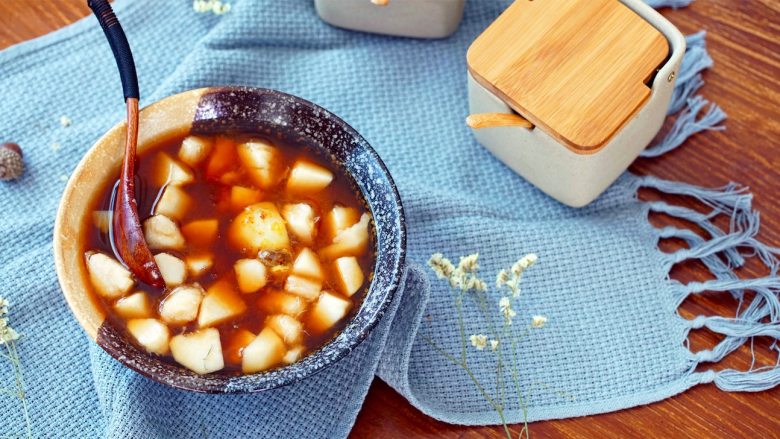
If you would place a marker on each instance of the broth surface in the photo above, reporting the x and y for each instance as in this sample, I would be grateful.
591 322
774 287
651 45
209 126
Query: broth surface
211 199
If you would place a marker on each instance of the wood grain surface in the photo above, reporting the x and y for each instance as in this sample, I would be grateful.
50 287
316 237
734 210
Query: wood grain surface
744 40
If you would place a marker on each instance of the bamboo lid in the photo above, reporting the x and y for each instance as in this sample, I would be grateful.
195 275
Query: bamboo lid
575 68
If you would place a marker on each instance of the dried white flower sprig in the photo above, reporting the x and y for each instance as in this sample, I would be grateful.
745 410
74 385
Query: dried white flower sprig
8 338
7 333
464 281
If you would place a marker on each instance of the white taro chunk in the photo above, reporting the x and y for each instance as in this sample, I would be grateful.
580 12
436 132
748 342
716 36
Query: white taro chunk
293 355
169 171
307 288
351 241
264 352
152 334
174 203
199 351
162 233
262 162
339 219
251 275
349 275
135 306
307 177
181 305
195 149
259 227
199 264
300 219
220 304
307 264
273 302
110 278
328 311
173 269
102 220
286 327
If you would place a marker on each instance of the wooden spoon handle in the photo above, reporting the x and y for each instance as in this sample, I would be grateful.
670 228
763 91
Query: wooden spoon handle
490 120
127 236
119 46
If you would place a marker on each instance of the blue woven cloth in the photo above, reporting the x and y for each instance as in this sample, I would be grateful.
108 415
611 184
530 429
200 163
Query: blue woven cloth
613 339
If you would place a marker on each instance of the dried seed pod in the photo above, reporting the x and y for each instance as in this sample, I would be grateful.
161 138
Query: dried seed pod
11 163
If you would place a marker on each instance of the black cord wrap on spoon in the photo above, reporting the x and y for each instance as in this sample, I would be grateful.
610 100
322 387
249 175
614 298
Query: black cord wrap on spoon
119 46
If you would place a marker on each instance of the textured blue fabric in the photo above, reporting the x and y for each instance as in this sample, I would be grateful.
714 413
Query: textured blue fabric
613 340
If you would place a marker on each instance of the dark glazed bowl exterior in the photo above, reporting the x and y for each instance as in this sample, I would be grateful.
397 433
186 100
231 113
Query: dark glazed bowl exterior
272 114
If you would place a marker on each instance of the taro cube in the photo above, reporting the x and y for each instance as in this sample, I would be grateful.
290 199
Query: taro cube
135 306
351 241
169 171
173 269
199 264
152 334
328 311
307 288
306 177
199 351
251 275
307 264
110 278
181 305
262 161
349 275
274 302
300 221
174 203
195 149
264 352
286 327
162 233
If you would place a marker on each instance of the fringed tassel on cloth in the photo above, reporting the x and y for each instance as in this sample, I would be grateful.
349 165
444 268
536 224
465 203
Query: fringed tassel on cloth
687 125
721 252
684 102
689 79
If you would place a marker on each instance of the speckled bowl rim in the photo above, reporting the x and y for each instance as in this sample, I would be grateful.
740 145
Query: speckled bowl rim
198 111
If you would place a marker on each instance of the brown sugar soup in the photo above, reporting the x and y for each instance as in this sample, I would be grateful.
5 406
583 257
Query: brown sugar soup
266 250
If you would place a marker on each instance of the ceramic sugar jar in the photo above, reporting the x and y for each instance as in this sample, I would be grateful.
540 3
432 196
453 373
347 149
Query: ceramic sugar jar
590 79
409 18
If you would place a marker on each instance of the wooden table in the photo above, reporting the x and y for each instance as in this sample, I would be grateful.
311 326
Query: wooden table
744 40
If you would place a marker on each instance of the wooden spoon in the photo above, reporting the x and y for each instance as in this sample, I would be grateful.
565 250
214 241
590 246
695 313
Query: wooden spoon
492 120
127 237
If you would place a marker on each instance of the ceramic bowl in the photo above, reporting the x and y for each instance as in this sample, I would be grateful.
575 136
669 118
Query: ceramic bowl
218 110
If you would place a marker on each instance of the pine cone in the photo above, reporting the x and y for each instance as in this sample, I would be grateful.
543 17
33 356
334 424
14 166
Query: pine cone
11 164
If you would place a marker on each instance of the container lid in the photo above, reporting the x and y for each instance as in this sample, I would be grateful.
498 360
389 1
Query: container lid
576 68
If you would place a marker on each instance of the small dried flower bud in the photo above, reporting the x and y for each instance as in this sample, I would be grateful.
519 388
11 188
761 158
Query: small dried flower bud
469 263
502 278
505 306
538 321
11 164
479 341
